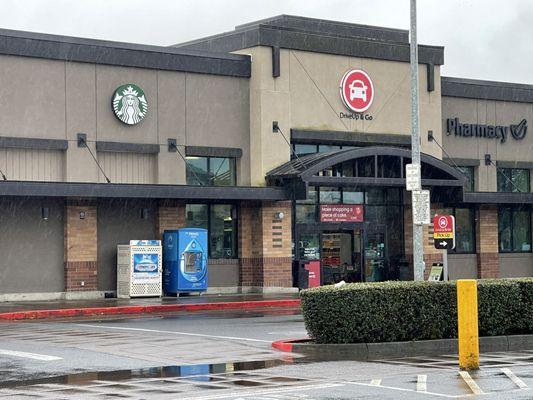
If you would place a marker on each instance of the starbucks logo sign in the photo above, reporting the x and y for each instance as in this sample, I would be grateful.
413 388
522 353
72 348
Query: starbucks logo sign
129 104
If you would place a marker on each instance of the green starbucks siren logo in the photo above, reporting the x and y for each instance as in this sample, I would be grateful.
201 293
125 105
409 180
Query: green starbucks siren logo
129 104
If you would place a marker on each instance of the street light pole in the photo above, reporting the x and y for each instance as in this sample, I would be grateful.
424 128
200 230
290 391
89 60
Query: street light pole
418 249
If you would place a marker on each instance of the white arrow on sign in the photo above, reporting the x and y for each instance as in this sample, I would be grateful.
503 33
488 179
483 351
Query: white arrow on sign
443 243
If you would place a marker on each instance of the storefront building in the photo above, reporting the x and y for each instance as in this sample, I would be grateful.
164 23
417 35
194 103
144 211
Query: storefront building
286 138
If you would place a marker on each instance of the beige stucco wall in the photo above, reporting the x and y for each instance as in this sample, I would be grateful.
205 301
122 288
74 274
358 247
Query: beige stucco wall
56 100
306 96
487 113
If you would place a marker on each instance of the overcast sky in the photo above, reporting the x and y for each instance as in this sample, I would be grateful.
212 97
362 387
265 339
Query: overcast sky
483 39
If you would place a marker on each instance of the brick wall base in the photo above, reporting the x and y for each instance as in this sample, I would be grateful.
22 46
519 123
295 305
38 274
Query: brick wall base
81 276
488 265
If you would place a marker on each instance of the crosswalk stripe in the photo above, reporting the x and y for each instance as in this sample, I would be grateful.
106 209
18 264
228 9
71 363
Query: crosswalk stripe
517 381
470 382
375 382
421 384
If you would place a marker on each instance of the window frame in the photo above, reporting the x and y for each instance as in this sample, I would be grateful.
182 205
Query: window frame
232 162
234 211
508 173
474 230
511 229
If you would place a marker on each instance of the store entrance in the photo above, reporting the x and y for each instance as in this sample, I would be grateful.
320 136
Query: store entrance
341 257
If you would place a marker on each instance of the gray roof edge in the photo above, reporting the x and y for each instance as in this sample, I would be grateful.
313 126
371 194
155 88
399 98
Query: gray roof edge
486 90
9 33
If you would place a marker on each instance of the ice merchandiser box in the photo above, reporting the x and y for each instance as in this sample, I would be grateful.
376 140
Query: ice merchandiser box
185 260
139 269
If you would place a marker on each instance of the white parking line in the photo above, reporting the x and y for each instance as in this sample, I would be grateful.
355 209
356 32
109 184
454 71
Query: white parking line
33 356
255 393
175 333
375 382
421 384
517 381
470 382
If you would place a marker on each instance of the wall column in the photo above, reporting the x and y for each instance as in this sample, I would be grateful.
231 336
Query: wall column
80 261
170 216
488 259
265 246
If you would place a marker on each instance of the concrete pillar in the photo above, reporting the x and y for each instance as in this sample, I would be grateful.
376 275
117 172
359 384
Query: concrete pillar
81 255
488 259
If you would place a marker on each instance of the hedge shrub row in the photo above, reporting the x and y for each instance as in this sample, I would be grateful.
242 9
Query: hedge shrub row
403 311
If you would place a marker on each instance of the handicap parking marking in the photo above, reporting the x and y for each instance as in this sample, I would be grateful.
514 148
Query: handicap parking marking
421 383
33 356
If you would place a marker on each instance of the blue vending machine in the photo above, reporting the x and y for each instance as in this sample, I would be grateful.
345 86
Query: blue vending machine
185 260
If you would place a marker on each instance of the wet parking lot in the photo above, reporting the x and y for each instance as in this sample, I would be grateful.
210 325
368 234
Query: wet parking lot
226 356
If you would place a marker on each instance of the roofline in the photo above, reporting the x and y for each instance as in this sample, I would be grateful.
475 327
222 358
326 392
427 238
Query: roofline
67 48
486 90
328 42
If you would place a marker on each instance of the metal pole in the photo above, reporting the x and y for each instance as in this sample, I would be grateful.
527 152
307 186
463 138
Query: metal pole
418 249
444 265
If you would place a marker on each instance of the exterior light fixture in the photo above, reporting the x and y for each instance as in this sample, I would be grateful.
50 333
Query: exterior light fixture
275 126
82 214
45 213
488 161
144 213
279 215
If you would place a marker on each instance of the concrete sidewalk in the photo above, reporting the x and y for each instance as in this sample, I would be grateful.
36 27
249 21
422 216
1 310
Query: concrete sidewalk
12 311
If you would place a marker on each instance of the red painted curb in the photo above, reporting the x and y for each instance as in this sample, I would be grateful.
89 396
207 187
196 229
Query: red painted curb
287 345
157 308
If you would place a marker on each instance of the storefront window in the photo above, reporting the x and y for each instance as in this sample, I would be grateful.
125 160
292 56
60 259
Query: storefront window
513 180
305 149
218 219
309 246
324 148
211 171
468 173
464 230
330 195
366 167
306 209
514 230
389 167
221 232
352 196
197 171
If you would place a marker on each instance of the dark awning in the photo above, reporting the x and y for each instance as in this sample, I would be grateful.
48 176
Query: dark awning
304 171
116 190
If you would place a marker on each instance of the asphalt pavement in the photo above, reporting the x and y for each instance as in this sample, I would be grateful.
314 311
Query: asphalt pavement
226 355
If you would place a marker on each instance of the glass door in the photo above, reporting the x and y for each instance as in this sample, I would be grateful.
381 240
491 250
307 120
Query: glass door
375 260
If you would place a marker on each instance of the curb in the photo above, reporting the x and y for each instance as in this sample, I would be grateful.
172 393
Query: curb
148 309
387 350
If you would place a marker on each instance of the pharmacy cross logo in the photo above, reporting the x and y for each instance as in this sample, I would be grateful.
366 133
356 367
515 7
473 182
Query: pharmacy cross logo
357 90
129 104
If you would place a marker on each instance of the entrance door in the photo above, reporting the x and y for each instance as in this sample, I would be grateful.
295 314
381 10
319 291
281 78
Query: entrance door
375 260
338 258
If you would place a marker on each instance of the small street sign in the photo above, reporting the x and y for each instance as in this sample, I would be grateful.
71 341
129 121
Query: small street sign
421 207
444 232
436 272
412 177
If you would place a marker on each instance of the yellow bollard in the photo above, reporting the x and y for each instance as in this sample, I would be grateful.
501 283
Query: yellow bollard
468 324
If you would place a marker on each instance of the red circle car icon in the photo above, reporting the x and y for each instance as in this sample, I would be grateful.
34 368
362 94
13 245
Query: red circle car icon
357 90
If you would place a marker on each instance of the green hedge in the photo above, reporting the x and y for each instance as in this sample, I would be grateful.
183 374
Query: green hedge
403 311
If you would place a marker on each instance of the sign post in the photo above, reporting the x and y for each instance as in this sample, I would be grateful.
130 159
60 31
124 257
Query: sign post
444 237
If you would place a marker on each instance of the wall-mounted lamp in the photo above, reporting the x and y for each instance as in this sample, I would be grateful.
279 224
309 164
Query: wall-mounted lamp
279 215
275 126
488 161
144 213
82 214
430 136
45 213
